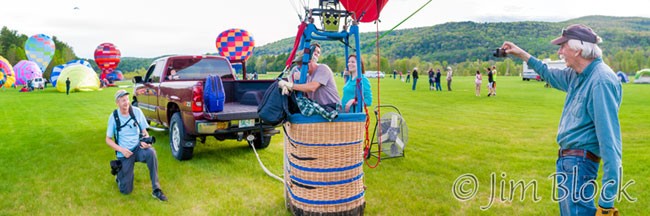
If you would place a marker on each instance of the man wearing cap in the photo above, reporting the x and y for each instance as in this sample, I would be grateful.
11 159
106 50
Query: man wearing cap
128 147
589 129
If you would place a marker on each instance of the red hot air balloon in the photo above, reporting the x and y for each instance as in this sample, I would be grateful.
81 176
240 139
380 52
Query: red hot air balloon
235 44
107 57
367 10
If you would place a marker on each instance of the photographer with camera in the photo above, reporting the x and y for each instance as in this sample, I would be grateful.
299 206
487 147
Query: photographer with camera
127 135
589 127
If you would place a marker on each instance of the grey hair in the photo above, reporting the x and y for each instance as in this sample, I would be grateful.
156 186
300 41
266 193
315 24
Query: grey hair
589 50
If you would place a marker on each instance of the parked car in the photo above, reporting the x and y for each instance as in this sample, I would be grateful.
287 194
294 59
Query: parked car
375 74
529 74
38 83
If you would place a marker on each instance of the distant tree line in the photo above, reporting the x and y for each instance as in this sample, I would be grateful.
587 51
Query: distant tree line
465 46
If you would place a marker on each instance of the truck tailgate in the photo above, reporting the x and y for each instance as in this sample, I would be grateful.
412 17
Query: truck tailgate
234 111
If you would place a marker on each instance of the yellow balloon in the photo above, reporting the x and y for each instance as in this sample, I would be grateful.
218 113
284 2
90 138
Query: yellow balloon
82 78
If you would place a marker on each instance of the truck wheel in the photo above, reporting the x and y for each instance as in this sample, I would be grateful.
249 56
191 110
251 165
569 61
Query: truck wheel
179 140
258 142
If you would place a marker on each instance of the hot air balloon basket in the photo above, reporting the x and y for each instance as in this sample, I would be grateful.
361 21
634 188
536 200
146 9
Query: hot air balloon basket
323 165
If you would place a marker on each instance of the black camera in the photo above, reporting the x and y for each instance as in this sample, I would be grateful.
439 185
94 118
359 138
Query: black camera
116 166
149 140
500 53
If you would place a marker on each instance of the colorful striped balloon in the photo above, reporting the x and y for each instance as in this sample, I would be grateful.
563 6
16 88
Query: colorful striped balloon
26 70
8 78
235 44
107 57
40 49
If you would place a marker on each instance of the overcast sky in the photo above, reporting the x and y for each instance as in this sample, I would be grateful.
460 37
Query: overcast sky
146 28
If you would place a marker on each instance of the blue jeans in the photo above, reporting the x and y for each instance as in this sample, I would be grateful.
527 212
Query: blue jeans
577 175
415 81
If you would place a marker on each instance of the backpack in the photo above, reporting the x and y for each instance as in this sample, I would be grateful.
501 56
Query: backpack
119 126
116 165
274 107
214 95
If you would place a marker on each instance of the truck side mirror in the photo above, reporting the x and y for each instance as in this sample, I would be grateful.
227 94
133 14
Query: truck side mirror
137 79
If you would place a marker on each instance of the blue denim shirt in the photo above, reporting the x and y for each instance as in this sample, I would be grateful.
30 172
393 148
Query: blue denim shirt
590 115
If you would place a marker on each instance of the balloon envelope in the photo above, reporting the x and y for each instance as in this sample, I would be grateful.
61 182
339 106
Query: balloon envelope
26 70
107 57
7 71
56 70
82 78
364 10
235 44
116 75
40 48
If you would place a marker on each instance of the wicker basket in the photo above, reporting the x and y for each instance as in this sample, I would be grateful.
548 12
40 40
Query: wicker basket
324 167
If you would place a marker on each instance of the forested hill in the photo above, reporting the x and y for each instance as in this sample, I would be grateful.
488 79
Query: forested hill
626 46
460 41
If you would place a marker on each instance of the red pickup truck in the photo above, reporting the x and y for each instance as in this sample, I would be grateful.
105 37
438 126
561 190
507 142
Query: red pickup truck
175 101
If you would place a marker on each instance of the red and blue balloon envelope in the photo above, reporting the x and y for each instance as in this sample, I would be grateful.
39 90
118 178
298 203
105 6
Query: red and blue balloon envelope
235 44
364 10
107 57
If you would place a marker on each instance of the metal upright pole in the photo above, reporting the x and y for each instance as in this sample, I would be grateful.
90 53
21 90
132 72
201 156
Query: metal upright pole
354 30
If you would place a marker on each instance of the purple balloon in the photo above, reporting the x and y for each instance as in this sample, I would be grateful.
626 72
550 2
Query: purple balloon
26 70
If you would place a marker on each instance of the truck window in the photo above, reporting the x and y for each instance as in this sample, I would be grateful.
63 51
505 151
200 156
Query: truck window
149 72
199 69
155 71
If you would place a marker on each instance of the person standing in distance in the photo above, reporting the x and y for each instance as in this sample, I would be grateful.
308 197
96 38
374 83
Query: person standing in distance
67 86
415 77
589 127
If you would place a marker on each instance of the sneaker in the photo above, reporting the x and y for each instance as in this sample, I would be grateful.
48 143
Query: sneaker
158 194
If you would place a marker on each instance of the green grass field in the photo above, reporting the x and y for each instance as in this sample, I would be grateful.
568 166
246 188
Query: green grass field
55 162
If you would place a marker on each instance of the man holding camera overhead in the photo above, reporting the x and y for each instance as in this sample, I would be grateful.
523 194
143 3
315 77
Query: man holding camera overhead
589 127
132 144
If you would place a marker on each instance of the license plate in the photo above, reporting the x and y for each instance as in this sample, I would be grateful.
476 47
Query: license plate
210 127
246 123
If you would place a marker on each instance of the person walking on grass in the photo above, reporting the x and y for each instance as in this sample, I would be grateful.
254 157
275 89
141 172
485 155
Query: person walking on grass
431 79
415 77
589 127
408 77
438 74
490 82
449 74
478 80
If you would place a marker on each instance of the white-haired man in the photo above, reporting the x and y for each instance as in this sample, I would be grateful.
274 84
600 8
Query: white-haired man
589 127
